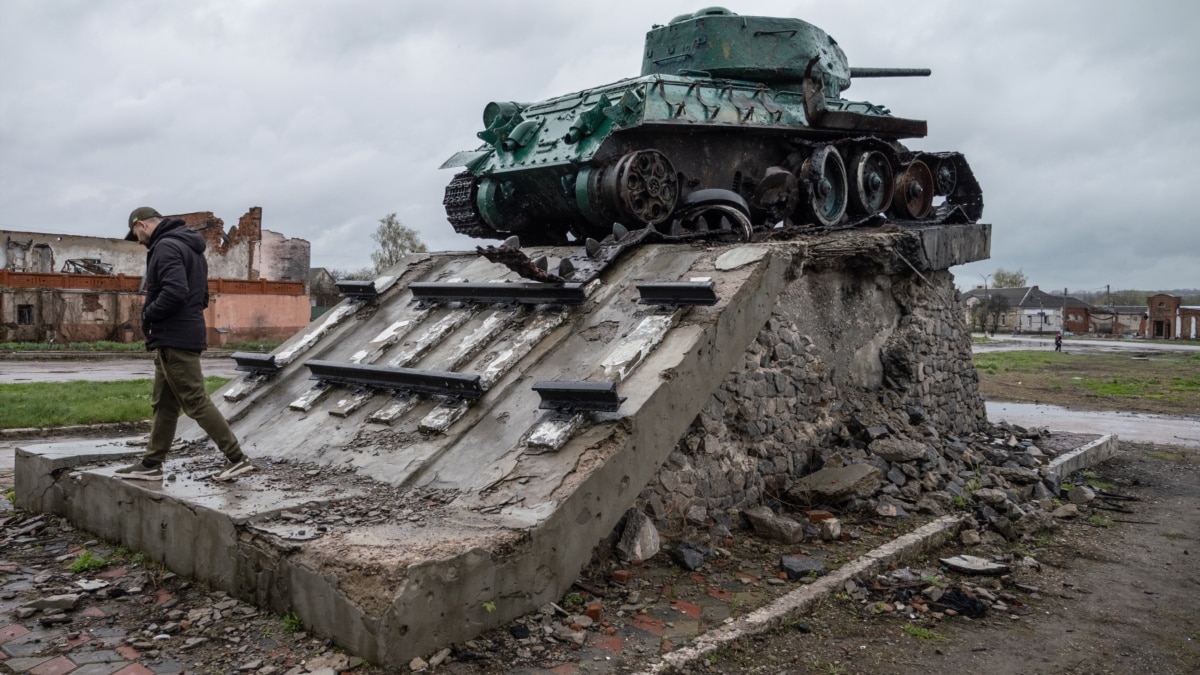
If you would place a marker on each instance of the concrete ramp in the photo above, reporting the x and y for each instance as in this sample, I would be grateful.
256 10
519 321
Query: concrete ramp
471 505
415 491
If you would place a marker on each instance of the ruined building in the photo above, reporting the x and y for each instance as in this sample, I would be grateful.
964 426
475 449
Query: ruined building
69 288
1168 317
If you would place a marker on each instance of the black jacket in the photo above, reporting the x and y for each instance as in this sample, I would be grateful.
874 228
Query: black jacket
176 288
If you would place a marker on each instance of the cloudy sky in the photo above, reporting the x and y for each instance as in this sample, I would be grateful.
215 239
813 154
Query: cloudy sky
1081 118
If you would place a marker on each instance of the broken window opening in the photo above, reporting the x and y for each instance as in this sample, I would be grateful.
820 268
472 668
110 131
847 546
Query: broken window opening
25 315
43 259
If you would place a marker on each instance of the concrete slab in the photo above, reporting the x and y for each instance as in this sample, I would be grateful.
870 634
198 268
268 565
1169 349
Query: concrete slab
460 522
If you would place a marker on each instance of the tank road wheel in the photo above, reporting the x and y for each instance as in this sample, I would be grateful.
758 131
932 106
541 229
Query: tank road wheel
714 209
872 181
825 174
947 176
914 192
776 193
644 186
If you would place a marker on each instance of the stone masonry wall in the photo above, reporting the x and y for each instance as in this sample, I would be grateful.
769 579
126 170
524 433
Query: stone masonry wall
849 369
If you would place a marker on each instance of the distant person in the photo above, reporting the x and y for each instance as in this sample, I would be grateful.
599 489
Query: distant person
1058 342
176 284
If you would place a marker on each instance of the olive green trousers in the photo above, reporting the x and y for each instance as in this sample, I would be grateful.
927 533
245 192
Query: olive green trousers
179 385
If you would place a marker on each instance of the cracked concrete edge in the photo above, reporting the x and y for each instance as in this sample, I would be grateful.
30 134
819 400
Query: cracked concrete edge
766 618
34 432
1081 458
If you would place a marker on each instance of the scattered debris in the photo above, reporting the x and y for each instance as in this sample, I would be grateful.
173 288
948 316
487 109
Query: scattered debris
969 564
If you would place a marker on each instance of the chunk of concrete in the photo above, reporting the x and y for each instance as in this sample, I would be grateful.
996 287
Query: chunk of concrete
1081 495
639 540
799 567
54 602
1066 512
896 450
991 496
837 485
969 564
831 529
767 524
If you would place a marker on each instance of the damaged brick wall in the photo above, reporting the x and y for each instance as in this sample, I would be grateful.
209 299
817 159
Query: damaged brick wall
816 392
247 251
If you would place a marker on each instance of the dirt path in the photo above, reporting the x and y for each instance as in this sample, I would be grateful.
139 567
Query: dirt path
1121 598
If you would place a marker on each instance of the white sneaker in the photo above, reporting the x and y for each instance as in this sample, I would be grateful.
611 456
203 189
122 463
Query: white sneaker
233 470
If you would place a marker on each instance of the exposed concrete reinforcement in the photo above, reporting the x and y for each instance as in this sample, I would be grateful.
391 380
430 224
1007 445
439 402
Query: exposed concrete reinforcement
465 524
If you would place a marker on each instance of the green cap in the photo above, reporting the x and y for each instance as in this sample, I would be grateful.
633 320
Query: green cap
140 213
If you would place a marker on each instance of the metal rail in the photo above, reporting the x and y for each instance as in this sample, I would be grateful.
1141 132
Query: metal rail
428 382
518 293
253 362
677 293
570 397
350 288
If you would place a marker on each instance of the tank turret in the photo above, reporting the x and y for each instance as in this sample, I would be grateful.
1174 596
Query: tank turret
734 112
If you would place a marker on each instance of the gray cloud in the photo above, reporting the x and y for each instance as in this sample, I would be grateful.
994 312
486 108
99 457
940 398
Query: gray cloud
1078 117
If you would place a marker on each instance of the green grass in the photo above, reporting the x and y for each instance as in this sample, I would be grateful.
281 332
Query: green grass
1100 521
86 562
100 346
1162 383
994 363
251 346
292 623
922 633
55 404
110 346
1171 456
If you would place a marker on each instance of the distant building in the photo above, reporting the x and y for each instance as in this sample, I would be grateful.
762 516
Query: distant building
1029 307
1117 320
322 291
69 288
1167 318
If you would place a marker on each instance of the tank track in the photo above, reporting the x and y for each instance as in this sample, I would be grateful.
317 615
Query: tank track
964 199
461 211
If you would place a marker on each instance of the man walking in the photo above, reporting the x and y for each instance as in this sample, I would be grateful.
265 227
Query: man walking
1058 341
176 285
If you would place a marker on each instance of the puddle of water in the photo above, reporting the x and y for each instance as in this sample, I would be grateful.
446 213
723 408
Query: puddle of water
1138 427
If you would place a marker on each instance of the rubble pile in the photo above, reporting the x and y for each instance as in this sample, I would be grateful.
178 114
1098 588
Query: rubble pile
90 603
786 431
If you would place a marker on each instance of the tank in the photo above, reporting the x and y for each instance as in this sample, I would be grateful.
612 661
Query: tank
740 117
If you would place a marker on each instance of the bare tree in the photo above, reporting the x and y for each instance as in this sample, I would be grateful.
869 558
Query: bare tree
395 240
1003 278
997 305
360 274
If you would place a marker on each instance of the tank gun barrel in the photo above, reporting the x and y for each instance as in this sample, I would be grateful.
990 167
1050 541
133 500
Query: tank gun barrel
889 72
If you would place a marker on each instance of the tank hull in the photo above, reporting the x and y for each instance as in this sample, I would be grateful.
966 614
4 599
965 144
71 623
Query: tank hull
632 152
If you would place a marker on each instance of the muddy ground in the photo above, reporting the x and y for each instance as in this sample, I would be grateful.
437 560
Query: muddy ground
1149 382
1115 593
1111 592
